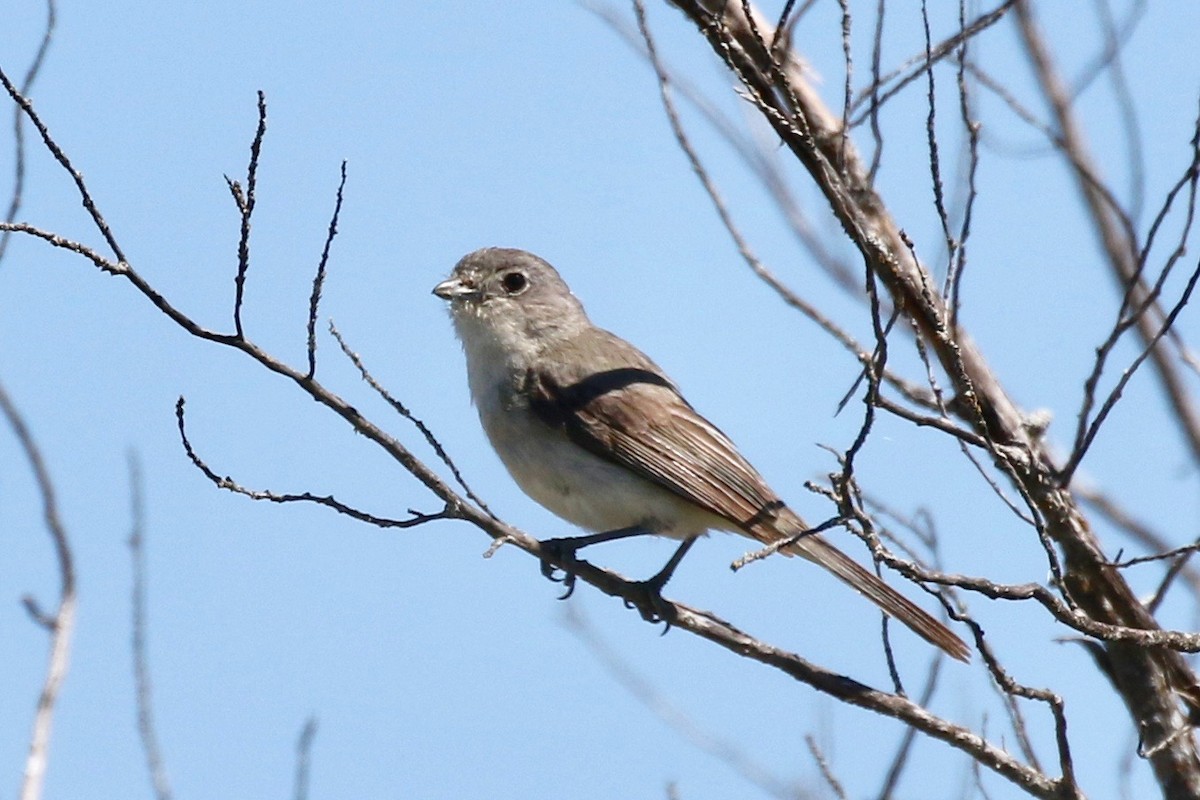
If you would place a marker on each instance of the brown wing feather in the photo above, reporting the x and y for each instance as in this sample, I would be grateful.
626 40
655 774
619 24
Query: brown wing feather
635 417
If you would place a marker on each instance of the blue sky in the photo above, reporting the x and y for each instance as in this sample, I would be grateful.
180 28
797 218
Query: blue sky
433 672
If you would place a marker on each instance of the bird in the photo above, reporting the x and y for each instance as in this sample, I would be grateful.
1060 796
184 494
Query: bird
592 429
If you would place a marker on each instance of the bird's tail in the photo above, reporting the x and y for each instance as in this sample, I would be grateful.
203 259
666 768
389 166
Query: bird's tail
894 604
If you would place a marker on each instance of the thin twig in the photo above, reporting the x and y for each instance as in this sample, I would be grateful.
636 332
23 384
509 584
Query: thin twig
935 160
848 82
872 370
744 250
403 411
319 279
1111 64
896 769
1180 641
759 155
35 67
1169 554
818 755
873 112
781 544
727 752
1127 374
246 210
1125 259
1013 690
958 260
61 157
783 24
915 66
61 623
143 690
304 744
230 485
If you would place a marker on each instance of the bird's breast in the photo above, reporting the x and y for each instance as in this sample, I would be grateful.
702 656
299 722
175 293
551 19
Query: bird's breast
573 483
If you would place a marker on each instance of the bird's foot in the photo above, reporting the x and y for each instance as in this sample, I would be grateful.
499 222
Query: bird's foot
563 550
646 597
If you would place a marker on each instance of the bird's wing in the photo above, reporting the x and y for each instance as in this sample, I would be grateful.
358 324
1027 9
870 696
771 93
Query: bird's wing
633 416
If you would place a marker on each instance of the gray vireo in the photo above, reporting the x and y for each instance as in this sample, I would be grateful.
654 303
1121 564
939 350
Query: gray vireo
592 429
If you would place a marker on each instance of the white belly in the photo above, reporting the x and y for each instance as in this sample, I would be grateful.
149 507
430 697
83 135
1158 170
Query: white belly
578 486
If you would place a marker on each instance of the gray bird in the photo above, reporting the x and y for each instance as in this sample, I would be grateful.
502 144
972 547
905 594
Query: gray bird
592 429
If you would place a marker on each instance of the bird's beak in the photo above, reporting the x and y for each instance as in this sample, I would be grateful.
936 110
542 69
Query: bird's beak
454 289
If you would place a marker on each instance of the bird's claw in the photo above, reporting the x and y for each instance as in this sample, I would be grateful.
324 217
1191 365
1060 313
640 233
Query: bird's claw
563 550
646 597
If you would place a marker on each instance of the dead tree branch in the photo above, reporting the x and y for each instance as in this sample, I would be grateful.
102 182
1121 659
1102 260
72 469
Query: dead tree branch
1151 681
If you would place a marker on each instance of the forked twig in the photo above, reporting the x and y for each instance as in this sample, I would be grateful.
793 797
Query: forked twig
61 623
230 485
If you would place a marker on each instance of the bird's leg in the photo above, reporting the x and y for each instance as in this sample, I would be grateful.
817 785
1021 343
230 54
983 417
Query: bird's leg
564 549
647 597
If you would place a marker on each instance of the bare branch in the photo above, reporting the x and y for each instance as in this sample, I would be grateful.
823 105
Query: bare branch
403 411
689 729
1152 680
781 544
847 62
1135 529
1111 64
329 501
1119 242
304 744
910 391
1013 690
757 154
818 755
1127 374
958 259
943 424
896 769
61 157
245 203
35 612
61 623
319 279
857 694
915 66
1187 549
935 161
1152 638
143 690
873 92
786 20
35 67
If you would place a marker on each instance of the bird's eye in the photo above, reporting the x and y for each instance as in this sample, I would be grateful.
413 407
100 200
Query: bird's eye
514 282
